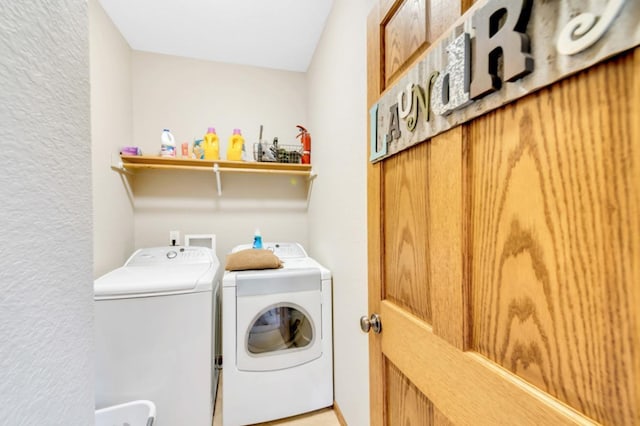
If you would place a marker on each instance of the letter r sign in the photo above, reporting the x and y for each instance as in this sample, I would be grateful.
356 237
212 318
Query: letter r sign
500 30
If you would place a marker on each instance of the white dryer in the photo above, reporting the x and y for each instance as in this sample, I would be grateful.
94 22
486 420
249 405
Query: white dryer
276 339
155 324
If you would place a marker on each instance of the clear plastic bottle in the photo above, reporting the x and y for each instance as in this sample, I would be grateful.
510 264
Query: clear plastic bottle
168 146
197 150
211 145
236 146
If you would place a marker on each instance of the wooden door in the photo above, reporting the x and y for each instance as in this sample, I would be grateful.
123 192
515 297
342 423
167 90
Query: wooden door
504 254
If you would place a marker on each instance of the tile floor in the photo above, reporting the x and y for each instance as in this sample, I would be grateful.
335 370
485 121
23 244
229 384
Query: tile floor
324 417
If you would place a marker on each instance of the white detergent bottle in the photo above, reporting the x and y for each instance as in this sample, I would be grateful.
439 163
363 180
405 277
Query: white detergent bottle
168 147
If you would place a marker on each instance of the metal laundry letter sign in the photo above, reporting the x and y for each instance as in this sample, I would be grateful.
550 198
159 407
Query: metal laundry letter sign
493 59
493 39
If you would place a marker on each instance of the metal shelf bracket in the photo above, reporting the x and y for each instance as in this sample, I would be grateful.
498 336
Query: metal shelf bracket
216 170
118 165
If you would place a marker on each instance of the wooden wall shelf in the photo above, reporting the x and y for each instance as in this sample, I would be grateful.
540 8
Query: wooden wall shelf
133 163
137 162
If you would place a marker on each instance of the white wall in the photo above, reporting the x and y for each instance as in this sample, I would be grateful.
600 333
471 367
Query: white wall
188 96
338 213
111 129
46 315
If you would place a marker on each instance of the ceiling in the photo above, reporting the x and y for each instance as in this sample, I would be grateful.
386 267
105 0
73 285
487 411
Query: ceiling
280 34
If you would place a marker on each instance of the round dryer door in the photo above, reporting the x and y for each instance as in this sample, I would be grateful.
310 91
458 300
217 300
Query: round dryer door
278 319
278 329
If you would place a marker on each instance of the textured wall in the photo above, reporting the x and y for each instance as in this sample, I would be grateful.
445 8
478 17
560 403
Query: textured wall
187 96
338 212
111 129
46 315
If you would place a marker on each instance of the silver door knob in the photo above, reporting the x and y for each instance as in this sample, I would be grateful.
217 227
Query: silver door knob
374 323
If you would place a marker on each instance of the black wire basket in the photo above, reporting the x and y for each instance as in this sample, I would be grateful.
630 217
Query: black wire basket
277 153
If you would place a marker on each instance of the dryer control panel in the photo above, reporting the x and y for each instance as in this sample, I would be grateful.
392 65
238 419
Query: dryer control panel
282 250
286 250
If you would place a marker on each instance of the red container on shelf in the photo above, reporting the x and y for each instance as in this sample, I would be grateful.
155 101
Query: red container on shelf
305 139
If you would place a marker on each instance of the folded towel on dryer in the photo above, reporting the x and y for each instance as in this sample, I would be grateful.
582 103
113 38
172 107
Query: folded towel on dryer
252 259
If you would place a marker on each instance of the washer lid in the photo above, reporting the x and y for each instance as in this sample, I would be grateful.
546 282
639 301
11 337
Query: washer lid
157 279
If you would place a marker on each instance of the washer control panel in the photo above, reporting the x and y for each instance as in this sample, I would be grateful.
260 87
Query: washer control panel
170 255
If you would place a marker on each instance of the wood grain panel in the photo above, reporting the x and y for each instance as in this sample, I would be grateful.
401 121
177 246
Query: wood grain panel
406 239
405 36
406 405
635 226
439 419
387 9
466 387
374 224
554 196
441 15
447 248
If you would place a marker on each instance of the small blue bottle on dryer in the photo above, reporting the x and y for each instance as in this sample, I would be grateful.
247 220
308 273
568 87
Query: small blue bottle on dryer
257 240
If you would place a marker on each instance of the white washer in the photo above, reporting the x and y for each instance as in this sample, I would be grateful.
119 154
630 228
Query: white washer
277 339
154 322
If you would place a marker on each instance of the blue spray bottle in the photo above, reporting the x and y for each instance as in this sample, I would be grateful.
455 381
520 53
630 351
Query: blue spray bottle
257 240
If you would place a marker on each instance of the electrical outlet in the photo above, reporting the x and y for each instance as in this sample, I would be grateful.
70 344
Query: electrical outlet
174 238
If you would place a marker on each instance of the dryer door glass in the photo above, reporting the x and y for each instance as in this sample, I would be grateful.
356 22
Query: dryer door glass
278 319
280 328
